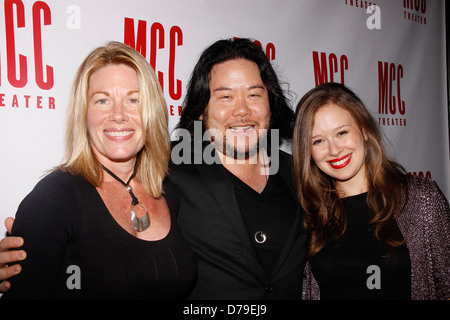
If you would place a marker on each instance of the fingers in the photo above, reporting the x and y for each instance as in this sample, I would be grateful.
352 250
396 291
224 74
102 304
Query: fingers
4 286
9 223
10 243
8 272
8 257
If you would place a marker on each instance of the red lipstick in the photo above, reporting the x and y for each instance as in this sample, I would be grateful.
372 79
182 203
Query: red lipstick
340 162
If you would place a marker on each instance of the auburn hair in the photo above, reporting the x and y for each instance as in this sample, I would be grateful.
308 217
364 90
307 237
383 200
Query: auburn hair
317 191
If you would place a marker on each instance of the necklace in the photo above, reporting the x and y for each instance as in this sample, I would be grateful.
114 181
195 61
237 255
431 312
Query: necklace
261 236
139 224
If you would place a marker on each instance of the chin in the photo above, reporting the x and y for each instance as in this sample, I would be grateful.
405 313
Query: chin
122 157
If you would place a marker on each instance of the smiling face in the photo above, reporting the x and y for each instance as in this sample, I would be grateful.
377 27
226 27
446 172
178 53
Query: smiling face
338 148
113 118
238 107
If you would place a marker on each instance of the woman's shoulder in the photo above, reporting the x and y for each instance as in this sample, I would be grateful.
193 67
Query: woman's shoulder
57 175
58 180
55 186
51 205
424 188
425 200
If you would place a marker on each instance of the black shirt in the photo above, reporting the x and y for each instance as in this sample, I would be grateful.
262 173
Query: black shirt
355 266
65 223
272 212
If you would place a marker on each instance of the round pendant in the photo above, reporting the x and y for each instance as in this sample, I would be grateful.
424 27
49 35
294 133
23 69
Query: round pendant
260 237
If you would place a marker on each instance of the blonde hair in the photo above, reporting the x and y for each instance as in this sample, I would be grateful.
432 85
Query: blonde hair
155 155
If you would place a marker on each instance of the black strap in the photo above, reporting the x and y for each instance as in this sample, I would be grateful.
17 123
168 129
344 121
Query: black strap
134 200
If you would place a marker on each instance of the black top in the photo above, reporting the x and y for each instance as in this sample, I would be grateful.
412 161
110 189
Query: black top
272 212
65 223
354 266
211 220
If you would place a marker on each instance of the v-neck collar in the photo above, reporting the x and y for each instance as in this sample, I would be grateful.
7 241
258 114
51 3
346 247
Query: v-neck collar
249 190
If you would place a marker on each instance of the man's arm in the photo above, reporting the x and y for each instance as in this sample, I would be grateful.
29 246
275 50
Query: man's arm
8 256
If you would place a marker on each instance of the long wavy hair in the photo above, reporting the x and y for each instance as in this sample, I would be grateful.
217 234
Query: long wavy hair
317 191
198 93
155 155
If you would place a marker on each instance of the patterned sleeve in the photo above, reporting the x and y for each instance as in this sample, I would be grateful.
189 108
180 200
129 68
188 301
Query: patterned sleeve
311 289
425 224
440 241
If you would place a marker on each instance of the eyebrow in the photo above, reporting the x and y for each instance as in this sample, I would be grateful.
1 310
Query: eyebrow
129 93
256 86
341 126
335 129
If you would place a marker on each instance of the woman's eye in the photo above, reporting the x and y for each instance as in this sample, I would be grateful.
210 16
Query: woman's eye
341 133
101 101
316 142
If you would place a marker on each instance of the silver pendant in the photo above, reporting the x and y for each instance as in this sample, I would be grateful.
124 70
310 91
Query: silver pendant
140 224
260 237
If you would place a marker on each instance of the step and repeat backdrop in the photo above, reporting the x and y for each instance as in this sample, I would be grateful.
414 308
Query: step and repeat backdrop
390 52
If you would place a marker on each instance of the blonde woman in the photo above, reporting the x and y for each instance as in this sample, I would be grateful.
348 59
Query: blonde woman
99 226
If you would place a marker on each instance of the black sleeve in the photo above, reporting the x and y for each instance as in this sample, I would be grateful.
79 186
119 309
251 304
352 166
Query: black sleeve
45 219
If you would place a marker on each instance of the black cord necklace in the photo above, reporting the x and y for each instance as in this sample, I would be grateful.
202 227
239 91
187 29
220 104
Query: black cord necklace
139 224
261 236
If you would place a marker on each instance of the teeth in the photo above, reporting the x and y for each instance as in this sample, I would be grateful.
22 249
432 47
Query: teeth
341 162
118 133
241 128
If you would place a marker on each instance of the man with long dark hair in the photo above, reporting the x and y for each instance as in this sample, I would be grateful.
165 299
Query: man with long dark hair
239 211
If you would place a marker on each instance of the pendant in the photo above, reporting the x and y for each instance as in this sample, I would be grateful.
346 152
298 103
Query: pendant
140 224
260 237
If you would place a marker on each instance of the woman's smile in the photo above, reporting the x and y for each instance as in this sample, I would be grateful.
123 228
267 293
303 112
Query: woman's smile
341 162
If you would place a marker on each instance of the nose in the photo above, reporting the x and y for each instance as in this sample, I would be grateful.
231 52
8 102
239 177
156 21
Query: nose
334 148
241 108
118 113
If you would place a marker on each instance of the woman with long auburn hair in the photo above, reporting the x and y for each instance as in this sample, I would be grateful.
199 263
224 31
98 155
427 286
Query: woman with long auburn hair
375 232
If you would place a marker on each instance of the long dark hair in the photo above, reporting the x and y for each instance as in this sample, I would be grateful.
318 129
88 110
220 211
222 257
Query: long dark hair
198 94
316 190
